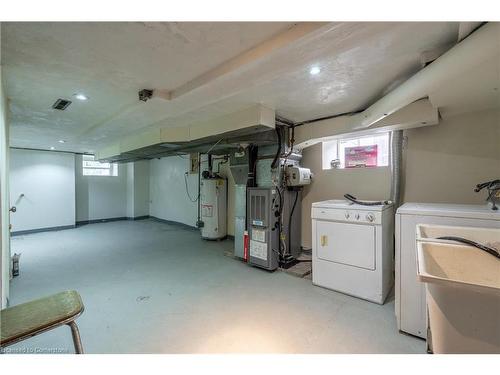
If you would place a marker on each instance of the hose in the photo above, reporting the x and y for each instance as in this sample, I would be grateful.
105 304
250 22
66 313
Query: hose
396 168
488 249
187 190
353 199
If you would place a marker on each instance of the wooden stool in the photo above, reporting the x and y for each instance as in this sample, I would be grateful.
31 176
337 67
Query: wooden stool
18 323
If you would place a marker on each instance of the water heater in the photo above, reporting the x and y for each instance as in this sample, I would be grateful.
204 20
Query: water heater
213 201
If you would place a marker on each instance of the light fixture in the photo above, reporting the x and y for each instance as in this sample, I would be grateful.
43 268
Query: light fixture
62 141
81 96
52 148
315 70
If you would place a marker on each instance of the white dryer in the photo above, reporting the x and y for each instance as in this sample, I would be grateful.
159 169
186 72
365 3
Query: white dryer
353 248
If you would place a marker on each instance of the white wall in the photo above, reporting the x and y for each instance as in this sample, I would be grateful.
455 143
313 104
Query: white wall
47 180
4 198
167 192
130 189
138 189
100 197
141 188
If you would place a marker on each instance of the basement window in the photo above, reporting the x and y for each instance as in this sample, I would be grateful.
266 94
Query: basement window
361 152
91 167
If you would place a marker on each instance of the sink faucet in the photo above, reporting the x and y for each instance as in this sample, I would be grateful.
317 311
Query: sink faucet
493 188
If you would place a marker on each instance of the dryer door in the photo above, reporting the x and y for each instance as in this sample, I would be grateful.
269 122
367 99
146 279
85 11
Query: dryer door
345 243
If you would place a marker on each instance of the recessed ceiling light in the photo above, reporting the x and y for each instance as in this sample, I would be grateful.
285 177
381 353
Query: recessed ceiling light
52 148
315 70
81 96
62 141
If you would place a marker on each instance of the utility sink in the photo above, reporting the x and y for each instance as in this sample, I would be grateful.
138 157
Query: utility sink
463 290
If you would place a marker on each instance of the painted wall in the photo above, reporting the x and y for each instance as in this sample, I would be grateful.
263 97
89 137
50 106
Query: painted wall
47 180
138 189
4 197
167 190
225 171
168 196
141 188
440 164
443 163
130 190
99 197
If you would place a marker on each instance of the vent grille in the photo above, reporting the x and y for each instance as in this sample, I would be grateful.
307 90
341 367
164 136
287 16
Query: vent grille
258 207
61 104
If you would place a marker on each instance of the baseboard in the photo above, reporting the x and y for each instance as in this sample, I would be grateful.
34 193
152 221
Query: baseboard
94 221
48 229
139 217
171 222
107 220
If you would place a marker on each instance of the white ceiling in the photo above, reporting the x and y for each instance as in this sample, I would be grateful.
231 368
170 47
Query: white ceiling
111 62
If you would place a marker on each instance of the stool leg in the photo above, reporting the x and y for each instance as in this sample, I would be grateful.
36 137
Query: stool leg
76 338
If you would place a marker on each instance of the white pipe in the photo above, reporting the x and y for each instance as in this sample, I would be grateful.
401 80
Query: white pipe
481 45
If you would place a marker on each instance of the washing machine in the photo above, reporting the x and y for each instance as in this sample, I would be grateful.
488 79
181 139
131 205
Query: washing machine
353 248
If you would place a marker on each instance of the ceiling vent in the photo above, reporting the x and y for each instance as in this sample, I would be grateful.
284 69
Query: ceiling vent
61 104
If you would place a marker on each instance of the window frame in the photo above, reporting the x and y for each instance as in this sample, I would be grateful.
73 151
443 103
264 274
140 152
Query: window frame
88 160
331 150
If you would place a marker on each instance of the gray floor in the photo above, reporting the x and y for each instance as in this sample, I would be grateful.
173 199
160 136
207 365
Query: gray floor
149 287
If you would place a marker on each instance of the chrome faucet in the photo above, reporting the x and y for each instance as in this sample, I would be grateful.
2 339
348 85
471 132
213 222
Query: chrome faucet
493 188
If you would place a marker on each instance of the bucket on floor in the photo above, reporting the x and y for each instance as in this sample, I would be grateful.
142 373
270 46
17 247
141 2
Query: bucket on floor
15 265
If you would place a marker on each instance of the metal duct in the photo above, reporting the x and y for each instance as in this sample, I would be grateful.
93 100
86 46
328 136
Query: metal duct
396 169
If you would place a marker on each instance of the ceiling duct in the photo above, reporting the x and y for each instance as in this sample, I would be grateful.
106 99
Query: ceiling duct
217 136
217 145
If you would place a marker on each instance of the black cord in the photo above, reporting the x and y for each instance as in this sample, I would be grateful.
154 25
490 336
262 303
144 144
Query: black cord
290 222
353 199
278 152
279 218
488 249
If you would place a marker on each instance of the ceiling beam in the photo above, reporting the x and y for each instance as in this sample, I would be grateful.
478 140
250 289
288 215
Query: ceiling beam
279 41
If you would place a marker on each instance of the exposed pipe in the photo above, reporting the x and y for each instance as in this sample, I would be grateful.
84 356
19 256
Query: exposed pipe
210 165
396 152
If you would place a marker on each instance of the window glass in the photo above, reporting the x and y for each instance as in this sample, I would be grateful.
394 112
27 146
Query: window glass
91 167
367 151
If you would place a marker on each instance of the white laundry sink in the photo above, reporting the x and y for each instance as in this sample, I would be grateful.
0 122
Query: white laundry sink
463 294
426 232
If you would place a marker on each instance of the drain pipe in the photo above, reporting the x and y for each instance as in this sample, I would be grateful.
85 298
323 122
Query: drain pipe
396 169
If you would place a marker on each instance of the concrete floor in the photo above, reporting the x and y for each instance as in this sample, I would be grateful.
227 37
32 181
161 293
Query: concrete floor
150 287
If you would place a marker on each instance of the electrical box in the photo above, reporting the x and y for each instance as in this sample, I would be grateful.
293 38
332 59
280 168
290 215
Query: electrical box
298 176
263 203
